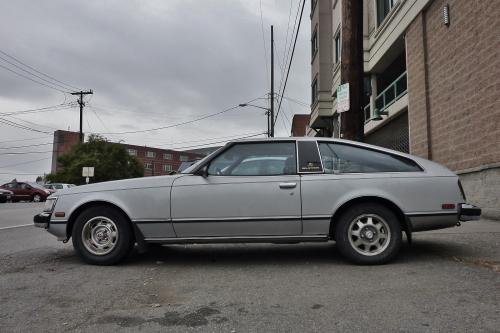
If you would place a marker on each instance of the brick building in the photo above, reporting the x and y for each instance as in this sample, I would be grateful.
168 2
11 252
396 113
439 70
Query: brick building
431 83
300 122
156 161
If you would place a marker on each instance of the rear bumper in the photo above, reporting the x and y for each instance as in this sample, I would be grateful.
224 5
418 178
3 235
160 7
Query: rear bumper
468 212
42 220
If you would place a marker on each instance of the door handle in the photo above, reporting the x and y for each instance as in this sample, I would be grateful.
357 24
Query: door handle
288 185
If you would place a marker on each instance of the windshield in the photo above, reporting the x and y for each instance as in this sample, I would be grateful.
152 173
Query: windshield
195 165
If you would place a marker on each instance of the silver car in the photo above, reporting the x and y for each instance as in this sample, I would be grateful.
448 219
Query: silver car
285 190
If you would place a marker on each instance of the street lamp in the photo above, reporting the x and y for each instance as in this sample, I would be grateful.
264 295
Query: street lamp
268 112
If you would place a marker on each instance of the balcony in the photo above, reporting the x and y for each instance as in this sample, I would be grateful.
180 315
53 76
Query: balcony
386 99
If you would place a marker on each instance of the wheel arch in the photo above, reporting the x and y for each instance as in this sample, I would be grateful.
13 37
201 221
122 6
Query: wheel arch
94 203
403 220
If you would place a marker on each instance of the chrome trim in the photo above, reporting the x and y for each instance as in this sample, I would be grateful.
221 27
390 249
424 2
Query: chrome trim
239 239
237 219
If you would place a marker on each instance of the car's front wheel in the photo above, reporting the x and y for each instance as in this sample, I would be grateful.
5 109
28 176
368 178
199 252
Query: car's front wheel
36 198
102 235
368 234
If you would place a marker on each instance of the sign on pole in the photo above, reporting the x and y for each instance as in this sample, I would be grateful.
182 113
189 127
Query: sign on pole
87 172
343 102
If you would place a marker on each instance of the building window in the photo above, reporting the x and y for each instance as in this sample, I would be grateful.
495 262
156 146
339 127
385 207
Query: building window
167 168
183 158
314 91
151 154
383 9
314 43
132 152
167 156
148 166
338 47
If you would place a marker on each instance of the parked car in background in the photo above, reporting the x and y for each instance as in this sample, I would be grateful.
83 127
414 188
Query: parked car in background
287 190
5 195
57 186
27 191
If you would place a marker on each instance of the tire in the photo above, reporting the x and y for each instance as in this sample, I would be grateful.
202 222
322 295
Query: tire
36 198
102 235
368 234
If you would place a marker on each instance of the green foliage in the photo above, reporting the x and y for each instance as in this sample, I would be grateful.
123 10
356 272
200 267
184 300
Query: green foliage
110 161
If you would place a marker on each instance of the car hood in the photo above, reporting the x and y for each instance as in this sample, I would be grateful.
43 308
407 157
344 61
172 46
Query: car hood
124 184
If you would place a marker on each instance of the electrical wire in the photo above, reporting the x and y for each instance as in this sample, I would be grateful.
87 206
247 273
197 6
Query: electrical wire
28 146
39 72
35 75
26 162
291 57
20 126
62 106
26 152
28 78
264 41
178 124
27 139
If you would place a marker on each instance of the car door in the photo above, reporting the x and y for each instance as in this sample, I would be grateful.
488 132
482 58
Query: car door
249 189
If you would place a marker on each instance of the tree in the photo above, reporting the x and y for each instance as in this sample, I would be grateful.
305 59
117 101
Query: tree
110 161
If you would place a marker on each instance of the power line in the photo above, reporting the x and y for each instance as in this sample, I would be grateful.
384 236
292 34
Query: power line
286 50
263 40
179 124
28 78
35 75
212 143
26 162
230 137
28 146
291 57
20 126
28 139
26 152
62 106
39 72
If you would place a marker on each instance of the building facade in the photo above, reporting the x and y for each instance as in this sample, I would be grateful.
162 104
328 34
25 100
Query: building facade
300 124
156 161
431 83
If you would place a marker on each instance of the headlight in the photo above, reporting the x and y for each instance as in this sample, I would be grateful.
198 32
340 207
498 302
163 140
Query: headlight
49 205
47 191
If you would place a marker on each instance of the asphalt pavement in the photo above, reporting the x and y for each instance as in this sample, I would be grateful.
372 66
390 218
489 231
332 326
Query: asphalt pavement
448 280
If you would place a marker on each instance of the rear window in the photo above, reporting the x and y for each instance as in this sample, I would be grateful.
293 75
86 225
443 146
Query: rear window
342 158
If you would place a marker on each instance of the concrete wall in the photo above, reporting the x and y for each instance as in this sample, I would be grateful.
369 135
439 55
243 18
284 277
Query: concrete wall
453 89
482 188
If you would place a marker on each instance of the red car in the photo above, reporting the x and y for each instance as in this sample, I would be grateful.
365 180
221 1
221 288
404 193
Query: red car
27 191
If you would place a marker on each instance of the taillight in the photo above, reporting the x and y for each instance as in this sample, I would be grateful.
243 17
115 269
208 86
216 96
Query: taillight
461 190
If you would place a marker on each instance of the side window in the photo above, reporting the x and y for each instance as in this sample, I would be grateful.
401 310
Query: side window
309 160
341 158
255 159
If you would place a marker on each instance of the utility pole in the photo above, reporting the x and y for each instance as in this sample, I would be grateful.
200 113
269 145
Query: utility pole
82 104
351 72
271 132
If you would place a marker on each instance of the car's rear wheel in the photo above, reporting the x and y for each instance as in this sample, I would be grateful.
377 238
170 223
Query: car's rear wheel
368 234
102 235
36 198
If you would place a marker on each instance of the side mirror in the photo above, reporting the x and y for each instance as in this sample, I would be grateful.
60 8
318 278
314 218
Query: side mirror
202 172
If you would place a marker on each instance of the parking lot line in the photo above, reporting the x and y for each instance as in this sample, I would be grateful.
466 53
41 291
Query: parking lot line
16 226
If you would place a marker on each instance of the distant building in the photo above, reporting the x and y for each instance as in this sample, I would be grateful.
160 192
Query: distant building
63 142
432 71
156 161
300 123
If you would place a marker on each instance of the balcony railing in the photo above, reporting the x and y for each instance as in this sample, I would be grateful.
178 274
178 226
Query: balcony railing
388 96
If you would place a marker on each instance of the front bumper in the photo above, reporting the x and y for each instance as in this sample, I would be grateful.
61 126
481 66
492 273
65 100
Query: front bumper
42 220
468 212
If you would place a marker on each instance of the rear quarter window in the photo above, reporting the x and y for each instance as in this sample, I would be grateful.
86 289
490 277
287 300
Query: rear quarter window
343 158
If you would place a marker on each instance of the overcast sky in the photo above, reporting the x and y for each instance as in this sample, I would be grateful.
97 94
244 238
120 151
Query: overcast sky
150 64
